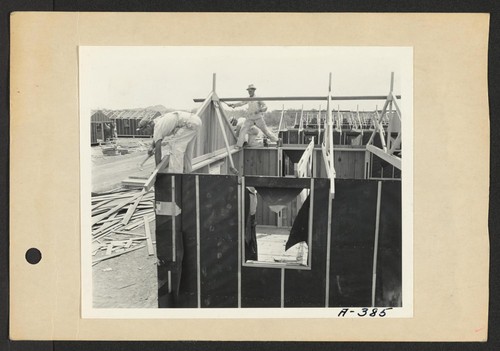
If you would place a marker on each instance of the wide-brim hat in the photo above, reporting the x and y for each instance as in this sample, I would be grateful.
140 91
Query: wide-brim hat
251 87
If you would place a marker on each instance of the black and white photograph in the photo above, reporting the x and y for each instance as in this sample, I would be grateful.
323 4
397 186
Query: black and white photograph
246 181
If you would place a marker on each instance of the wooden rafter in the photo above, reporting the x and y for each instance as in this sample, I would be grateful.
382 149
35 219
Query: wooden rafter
389 144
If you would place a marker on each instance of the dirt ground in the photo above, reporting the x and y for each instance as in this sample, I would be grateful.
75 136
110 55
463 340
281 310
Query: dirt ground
127 281
109 171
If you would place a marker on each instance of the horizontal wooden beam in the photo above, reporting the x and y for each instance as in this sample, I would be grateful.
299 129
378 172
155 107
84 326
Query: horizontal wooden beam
290 265
277 182
303 98
203 161
393 160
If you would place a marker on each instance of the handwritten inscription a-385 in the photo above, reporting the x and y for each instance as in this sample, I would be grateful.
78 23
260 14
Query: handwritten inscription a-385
364 312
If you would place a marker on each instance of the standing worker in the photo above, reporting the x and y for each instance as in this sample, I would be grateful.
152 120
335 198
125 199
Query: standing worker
255 117
182 129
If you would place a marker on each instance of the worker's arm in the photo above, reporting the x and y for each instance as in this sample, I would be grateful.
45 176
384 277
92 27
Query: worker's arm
157 151
238 104
151 149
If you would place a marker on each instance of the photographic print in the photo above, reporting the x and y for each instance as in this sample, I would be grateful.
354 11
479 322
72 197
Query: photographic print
246 182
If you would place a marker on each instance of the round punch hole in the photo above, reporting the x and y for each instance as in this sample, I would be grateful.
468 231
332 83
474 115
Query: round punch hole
33 255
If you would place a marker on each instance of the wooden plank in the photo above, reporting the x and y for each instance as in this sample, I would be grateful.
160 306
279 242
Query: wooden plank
226 142
138 235
198 262
310 224
206 103
97 260
226 120
173 204
214 158
240 240
393 160
118 207
303 166
109 248
151 250
277 182
131 210
99 204
328 251
112 195
282 297
105 233
152 178
137 223
107 224
303 98
375 247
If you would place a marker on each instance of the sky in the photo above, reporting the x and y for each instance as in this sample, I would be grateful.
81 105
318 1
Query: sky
117 77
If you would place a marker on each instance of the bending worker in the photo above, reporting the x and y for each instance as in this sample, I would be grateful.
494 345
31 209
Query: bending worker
255 117
181 128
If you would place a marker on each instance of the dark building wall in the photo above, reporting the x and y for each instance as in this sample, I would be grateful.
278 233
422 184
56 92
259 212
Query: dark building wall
353 220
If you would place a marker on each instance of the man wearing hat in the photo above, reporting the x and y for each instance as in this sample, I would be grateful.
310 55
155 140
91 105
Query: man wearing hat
255 117
181 128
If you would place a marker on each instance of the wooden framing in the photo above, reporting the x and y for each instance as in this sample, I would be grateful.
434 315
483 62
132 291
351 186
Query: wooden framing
304 166
307 172
306 183
198 254
303 98
375 244
389 145
393 160
281 118
327 146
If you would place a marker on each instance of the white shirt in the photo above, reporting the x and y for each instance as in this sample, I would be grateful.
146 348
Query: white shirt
170 122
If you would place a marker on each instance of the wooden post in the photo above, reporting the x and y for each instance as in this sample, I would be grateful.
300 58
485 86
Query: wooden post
328 249
301 122
310 223
240 240
375 247
174 251
282 287
280 174
389 98
281 119
319 124
219 118
149 242
226 120
198 254
367 164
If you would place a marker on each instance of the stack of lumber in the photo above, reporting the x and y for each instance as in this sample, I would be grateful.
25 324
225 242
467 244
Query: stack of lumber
121 223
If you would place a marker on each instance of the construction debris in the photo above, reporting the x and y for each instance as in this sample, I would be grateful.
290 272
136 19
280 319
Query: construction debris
114 215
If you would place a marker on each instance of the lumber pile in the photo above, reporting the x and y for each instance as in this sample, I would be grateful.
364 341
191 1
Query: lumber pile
121 223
